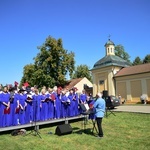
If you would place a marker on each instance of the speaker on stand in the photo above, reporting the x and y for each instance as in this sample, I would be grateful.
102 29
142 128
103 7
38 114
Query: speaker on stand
105 94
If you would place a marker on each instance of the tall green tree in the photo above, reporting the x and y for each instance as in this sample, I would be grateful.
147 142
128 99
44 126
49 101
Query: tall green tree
82 71
137 61
119 51
146 59
51 64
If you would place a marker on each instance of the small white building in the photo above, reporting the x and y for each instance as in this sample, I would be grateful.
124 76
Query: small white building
80 84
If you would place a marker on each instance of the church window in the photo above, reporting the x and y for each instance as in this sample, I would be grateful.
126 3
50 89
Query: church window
101 82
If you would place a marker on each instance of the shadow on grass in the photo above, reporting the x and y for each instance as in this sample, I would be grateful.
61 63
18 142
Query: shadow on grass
87 131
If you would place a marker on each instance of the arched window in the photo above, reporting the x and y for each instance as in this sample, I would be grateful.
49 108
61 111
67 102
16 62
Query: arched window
108 49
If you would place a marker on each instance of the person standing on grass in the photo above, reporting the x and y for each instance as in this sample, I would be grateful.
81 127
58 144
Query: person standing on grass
99 107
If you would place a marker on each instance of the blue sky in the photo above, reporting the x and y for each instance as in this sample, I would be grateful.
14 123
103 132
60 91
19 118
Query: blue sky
83 25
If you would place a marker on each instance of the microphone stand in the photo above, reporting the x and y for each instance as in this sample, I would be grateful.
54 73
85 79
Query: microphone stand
35 131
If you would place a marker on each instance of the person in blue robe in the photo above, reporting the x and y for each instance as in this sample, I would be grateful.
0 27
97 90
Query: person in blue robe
44 105
64 104
1 111
5 107
71 104
57 104
83 97
29 107
22 105
14 107
76 100
36 105
51 104
15 110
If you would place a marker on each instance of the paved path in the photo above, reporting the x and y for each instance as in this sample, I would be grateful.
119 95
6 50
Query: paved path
133 108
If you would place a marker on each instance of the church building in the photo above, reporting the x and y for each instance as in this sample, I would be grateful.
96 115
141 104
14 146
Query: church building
117 76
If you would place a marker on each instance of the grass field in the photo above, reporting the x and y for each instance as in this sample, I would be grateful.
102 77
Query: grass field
125 131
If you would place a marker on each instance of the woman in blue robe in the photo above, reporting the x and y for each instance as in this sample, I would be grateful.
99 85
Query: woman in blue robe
71 104
14 103
5 107
76 100
57 104
29 108
44 105
15 110
22 105
51 104
64 104
83 97
36 105
1 110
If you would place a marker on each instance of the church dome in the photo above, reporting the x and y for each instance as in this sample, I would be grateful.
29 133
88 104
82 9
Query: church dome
109 42
111 60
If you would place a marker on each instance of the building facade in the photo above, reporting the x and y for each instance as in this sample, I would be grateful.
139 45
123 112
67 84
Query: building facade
117 76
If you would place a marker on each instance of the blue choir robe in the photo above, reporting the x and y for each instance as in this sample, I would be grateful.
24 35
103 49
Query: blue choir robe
29 108
57 106
83 98
36 107
44 107
71 105
22 104
64 106
76 99
5 114
1 111
14 105
50 107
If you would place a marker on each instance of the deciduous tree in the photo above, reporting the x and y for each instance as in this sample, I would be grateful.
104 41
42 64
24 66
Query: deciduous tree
51 65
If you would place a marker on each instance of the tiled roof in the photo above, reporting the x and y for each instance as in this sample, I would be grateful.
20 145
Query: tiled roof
134 70
73 82
111 60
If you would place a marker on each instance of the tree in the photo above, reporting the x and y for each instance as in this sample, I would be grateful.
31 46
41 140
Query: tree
137 61
82 71
146 59
119 51
51 65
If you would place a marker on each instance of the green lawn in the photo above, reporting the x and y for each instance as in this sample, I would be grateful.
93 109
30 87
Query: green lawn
125 131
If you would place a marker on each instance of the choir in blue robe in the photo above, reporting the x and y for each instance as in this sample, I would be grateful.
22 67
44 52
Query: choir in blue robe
40 107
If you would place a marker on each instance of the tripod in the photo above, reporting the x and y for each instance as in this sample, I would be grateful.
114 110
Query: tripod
111 112
108 106
94 126
35 131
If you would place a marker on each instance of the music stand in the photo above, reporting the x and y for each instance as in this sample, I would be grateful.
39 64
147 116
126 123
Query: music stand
86 112
35 131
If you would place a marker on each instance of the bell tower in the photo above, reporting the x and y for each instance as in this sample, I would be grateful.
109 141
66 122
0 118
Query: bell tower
110 48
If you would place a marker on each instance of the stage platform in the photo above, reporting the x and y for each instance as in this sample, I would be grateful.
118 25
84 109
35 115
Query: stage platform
39 123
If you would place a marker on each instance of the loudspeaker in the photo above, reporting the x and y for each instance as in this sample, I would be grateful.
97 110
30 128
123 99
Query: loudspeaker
63 129
105 93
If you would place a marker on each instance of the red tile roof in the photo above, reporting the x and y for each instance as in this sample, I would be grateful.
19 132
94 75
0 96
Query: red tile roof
144 68
73 82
